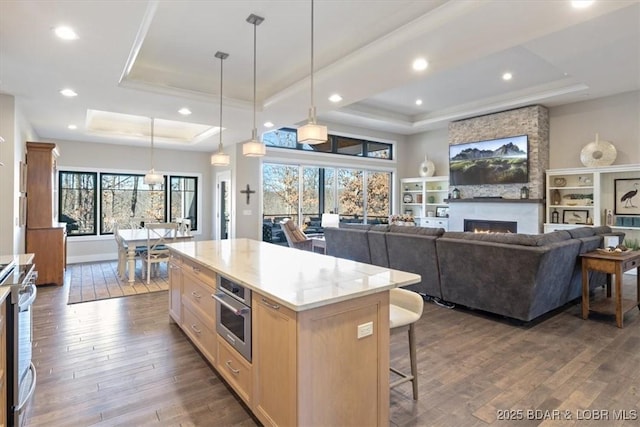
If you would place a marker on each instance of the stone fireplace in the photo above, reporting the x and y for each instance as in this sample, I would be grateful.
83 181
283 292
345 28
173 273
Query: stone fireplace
501 202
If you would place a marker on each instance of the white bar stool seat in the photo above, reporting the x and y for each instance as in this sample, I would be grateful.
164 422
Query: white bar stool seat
405 309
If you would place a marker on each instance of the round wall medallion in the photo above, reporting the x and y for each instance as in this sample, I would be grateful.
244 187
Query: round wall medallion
427 168
598 153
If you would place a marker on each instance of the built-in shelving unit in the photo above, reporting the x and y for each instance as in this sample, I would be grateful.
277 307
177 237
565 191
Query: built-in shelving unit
425 198
577 197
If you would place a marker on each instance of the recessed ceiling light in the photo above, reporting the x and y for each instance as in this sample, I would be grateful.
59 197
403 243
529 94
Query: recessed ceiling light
418 101
69 93
335 98
65 33
420 64
268 124
72 127
507 76
581 4
184 111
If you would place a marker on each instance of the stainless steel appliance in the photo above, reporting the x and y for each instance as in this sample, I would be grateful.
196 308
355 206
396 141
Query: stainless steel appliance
233 315
21 373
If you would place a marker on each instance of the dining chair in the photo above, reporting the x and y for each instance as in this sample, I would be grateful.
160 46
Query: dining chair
405 309
184 226
158 235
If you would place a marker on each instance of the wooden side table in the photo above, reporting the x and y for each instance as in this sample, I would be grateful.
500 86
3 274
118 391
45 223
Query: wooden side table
616 264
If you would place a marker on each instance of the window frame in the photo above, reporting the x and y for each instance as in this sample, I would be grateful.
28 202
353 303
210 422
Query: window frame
334 149
99 234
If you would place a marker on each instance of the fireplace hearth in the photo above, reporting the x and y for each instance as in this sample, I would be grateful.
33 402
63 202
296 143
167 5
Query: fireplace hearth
490 226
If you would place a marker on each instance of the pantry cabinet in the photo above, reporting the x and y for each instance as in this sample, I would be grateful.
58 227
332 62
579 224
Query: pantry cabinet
45 237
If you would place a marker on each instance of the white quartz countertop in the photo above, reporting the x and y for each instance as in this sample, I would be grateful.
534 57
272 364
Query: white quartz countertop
299 280
20 259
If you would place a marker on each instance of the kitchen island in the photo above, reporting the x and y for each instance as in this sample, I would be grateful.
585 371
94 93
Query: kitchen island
319 329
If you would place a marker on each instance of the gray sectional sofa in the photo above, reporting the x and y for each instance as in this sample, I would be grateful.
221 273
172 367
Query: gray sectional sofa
519 276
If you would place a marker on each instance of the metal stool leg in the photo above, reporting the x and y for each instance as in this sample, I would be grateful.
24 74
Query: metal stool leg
412 357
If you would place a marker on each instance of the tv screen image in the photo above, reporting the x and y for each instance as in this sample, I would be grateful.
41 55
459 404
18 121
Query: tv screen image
496 161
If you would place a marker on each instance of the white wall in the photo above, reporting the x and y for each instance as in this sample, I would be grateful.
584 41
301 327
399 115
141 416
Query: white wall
616 118
16 131
88 156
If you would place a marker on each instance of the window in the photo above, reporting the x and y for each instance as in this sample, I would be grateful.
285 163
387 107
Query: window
183 200
287 138
303 193
77 204
118 198
124 198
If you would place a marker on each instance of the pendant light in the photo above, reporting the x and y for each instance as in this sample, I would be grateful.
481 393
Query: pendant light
312 133
220 158
254 148
152 178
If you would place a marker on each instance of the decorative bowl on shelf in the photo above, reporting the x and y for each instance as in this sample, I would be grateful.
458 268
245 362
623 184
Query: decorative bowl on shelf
559 181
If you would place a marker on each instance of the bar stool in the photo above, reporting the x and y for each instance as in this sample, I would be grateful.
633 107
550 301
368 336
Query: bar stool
405 308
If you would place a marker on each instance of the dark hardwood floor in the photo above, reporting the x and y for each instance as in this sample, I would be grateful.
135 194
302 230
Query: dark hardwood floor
121 362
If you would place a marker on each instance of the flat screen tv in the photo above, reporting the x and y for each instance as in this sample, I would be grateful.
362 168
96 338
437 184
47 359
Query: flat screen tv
496 161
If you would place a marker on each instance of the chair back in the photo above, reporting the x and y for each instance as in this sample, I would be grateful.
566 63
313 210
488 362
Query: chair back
184 226
292 233
158 235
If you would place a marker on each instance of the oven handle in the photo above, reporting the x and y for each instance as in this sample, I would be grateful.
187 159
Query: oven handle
237 311
24 305
31 389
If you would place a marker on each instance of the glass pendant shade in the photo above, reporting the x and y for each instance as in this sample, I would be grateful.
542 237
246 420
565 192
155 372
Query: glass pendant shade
220 159
312 133
153 178
254 148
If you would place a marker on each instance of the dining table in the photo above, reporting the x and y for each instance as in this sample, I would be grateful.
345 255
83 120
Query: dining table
132 238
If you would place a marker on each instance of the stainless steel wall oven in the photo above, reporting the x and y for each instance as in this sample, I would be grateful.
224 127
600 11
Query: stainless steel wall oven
233 315
21 373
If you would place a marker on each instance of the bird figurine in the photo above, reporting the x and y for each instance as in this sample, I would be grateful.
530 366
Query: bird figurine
628 196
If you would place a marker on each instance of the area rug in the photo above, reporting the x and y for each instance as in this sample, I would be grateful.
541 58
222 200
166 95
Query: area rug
99 280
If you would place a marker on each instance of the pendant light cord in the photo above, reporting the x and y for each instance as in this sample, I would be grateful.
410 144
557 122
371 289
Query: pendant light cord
152 168
220 132
254 132
312 112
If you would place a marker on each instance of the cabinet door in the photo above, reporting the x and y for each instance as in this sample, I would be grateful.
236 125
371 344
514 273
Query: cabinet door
274 362
175 289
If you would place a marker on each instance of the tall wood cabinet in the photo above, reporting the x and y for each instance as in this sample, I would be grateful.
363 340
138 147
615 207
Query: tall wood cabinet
45 237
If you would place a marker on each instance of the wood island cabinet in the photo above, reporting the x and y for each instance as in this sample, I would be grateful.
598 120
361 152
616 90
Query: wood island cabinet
317 358
274 361
199 308
175 288
45 237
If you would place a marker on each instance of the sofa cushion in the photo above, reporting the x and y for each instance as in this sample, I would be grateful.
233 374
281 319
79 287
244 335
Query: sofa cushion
576 233
420 231
511 238
602 229
355 226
